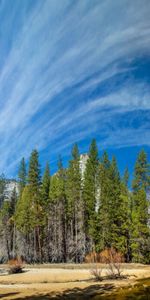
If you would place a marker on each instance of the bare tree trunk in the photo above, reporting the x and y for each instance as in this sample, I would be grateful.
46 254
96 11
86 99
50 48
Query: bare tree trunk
14 240
34 244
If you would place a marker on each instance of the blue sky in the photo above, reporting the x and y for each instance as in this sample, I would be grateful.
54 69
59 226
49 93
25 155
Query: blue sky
71 71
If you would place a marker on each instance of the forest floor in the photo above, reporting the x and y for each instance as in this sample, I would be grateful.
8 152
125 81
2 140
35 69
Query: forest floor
69 281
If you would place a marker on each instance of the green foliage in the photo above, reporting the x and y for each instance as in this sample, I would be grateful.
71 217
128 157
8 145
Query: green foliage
73 184
114 210
45 184
29 212
57 188
13 201
34 178
105 209
69 214
34 186
90 189
126 178
140 231
22 176
141 173
24 212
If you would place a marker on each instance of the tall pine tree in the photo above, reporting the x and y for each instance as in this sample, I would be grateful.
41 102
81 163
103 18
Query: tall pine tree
104 216
45 184
75 216
140 232
34 183
22 176
113 210
90 194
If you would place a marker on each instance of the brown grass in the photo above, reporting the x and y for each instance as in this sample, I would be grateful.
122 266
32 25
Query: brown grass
43 283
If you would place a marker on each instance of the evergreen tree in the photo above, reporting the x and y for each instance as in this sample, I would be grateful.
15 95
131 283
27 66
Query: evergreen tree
73 180
22 176
126 178
60 219
46 184
34 178
140 230
126 199
115 205
113 211
34 184
75 230
23 214
141 173
91 193
13 201
104 218
120 213
57 216
56 219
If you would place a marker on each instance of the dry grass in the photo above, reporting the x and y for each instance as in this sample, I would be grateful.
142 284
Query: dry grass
42 283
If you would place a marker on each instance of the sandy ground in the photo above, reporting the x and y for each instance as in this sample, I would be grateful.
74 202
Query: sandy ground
47 282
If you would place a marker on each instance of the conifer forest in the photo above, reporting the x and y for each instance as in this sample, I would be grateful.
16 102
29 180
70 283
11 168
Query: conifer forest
65 216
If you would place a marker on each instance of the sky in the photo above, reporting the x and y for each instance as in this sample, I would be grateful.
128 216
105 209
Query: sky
71 71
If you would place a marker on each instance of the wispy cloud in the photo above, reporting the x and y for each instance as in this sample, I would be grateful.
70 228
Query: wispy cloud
67 70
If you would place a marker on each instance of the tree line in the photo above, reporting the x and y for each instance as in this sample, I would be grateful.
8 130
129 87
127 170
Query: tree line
62 218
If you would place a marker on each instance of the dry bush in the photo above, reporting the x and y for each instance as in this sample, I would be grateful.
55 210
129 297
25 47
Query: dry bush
92 257
114 260
15 266
96 272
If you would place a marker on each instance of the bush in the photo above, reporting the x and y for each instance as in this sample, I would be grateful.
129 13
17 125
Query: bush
96 272
114 260
92 257
15 266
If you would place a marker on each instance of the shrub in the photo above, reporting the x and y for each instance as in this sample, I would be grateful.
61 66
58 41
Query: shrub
92 257
114 260
96 272
15 266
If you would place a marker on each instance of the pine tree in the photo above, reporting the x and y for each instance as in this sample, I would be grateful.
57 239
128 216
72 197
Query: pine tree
126 178
104 218
13 201
56 218
141 173
44 202
23 214
91 194
113 211
34 184
75 217
34 178
46 184
140 231
22 176
126 198
60 219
